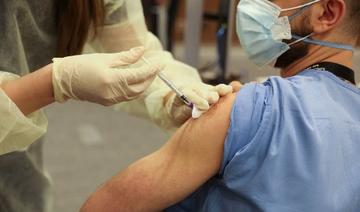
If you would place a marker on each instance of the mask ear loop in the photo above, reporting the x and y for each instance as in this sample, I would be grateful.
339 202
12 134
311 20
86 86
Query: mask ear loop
300 6
301 39
324 43
300 9
296 14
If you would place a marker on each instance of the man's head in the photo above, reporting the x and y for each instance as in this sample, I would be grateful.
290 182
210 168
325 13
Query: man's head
330 20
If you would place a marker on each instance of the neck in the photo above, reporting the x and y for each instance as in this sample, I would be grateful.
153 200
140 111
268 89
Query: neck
318 54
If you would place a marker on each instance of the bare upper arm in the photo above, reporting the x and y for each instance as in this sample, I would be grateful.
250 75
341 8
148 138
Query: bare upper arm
190 158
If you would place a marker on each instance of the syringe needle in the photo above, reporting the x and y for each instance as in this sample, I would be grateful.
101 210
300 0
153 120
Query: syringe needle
171 85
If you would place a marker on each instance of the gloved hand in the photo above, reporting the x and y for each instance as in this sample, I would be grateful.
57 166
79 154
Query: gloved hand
203 96
102 78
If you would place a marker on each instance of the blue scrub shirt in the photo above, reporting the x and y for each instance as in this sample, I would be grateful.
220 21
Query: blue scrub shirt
293 145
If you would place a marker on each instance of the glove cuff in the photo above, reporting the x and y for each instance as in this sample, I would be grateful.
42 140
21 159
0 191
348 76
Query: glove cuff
56 81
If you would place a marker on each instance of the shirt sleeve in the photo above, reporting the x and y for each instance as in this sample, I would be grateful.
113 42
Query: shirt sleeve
246 117
17 132
125 28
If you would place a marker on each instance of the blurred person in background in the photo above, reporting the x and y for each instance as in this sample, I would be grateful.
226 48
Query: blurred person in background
151 15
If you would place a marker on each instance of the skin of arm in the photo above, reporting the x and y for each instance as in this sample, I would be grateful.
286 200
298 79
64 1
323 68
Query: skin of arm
31 92
189 159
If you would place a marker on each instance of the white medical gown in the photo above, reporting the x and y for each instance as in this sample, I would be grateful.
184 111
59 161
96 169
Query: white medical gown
17 130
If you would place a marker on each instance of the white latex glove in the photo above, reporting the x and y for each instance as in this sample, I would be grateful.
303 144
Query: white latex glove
203 96
105 79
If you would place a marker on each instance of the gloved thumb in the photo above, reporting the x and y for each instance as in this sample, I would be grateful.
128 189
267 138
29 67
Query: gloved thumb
223 89
199 101
128 57
141 74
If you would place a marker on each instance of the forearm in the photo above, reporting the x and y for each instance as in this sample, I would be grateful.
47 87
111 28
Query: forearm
133 189
31 92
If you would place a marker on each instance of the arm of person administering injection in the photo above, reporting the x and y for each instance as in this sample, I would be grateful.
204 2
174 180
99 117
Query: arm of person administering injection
125 28
191 157
30 96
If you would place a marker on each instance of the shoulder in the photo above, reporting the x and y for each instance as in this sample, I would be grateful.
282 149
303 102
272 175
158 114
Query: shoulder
251 106
301 81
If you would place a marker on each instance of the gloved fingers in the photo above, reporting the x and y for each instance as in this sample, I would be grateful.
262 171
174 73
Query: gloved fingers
211 97
207 92
122 91
127 57
223 89
139 88
208 87
139 75
236 85
198 101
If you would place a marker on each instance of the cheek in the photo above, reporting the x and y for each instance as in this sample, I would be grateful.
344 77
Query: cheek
296 25
289 3
301 26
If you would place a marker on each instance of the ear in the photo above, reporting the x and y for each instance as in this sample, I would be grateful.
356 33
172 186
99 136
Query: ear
327 15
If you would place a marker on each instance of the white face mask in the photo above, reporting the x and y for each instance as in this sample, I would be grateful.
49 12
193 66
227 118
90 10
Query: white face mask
261 31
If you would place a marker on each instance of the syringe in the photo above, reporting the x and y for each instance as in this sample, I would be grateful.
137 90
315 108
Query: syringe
171 86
